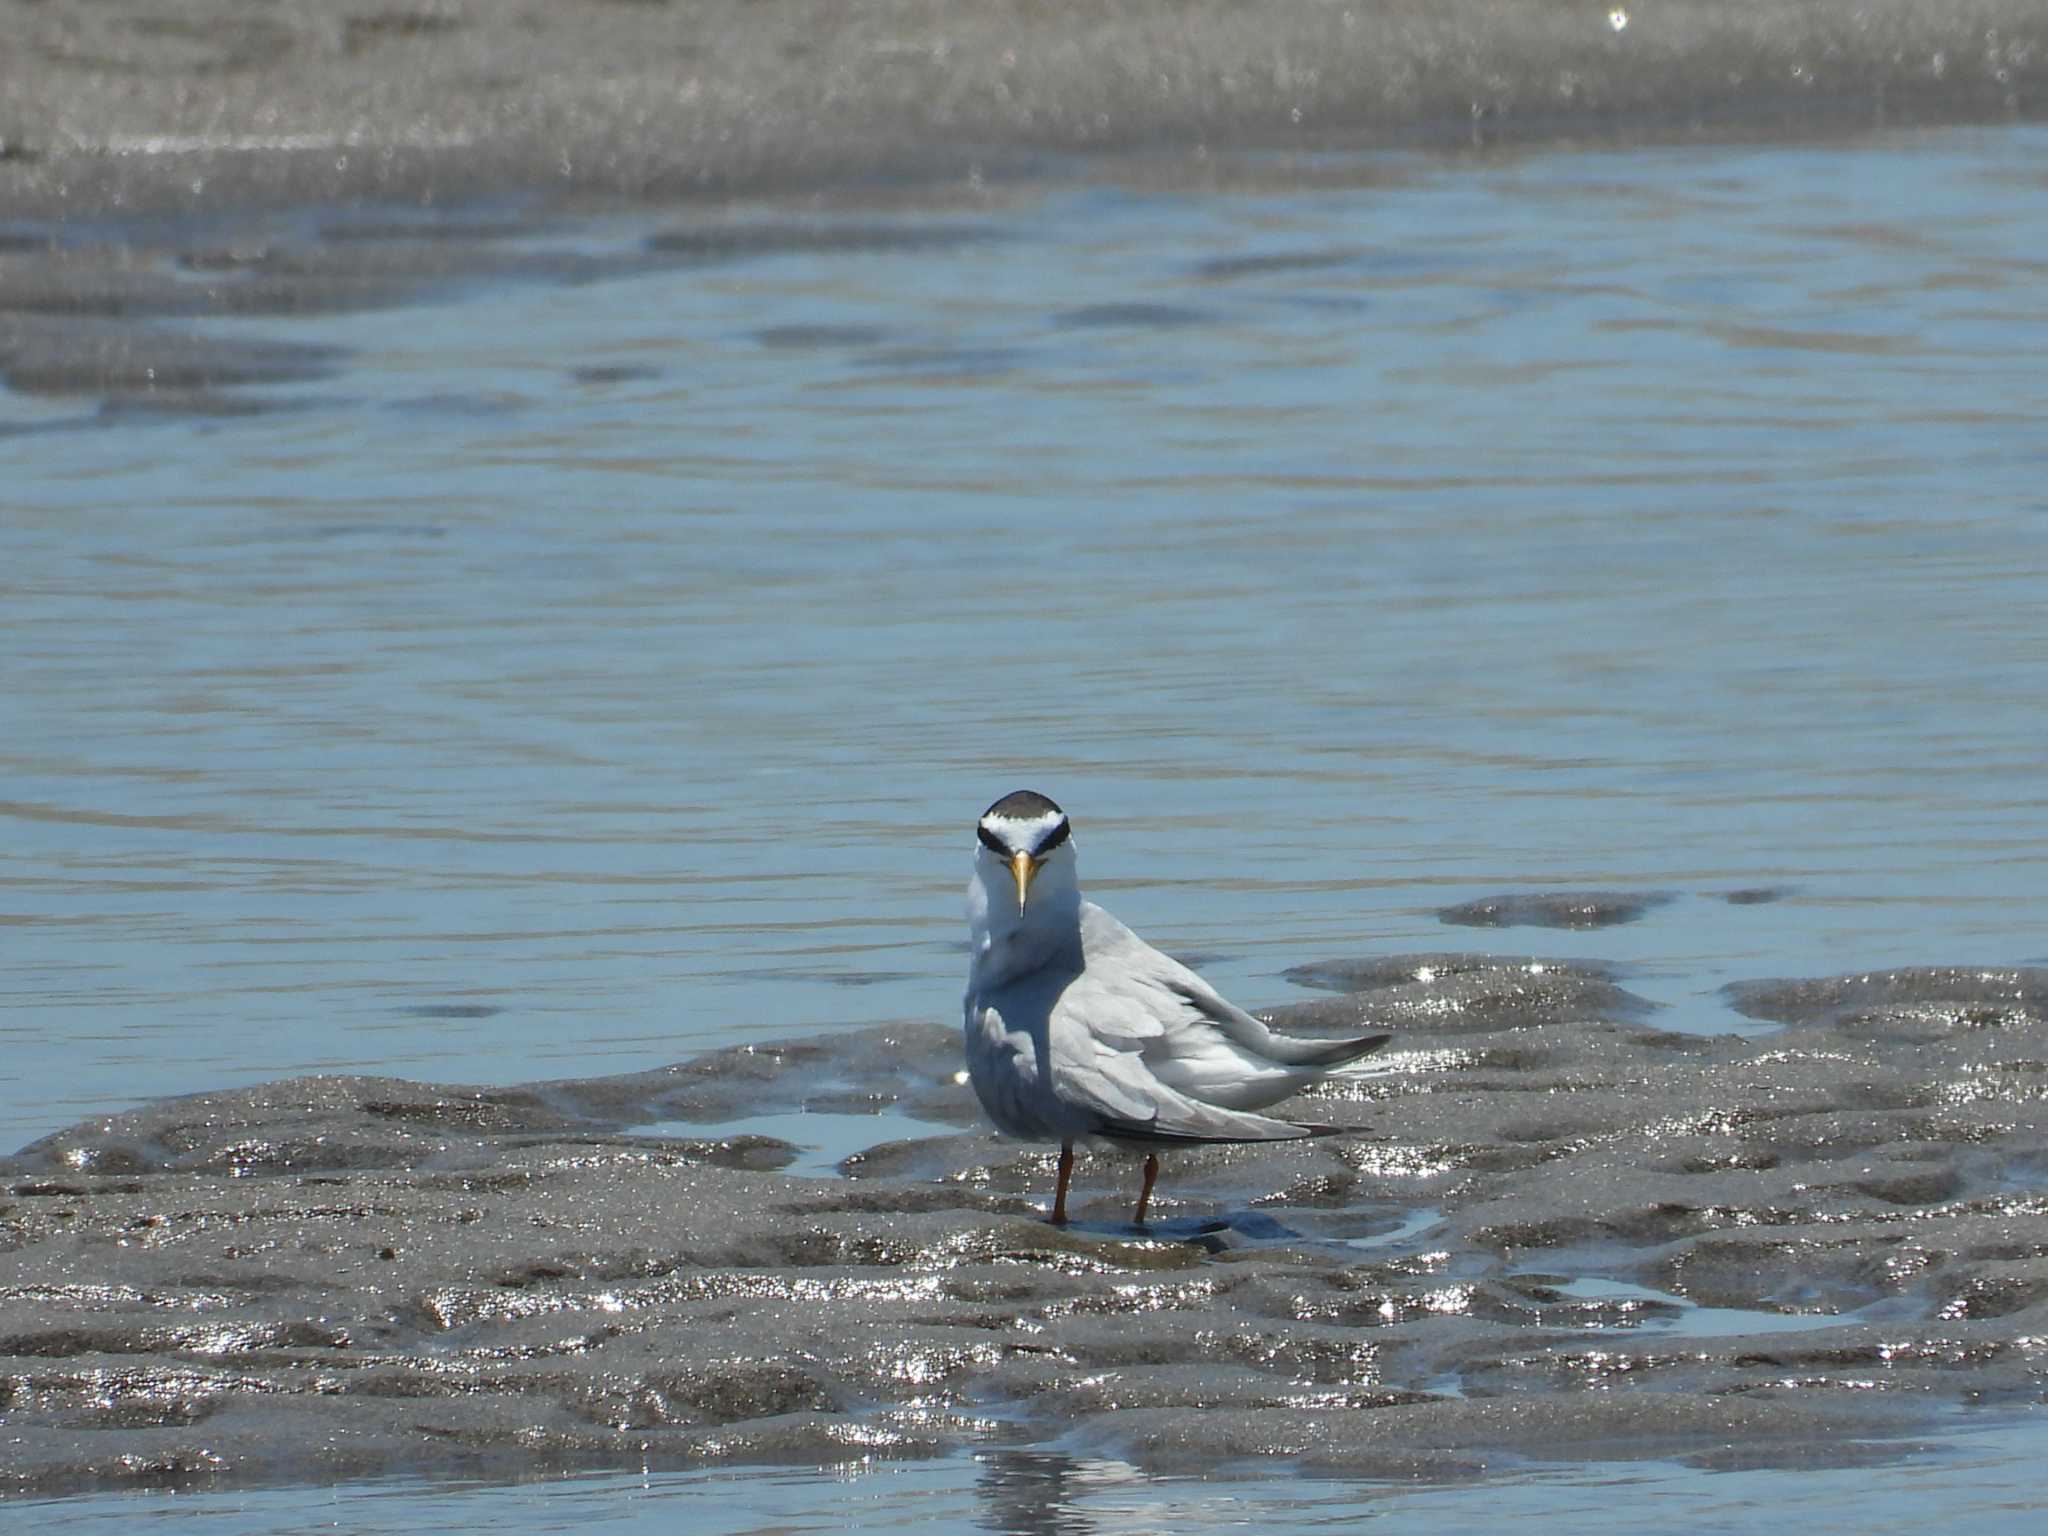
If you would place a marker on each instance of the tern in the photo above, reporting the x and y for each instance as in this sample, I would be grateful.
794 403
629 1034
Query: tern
1077 1030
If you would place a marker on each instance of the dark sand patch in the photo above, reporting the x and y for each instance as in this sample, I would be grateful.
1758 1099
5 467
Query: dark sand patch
598 375
122 317
1554 909
70 355
1756 895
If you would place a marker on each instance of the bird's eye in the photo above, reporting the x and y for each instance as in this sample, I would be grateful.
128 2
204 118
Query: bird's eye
990 840
1057 836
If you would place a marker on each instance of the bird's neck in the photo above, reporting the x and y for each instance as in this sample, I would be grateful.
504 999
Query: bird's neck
1007 942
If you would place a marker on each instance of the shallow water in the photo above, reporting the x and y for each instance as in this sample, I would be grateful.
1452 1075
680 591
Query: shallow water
583 675
1653 521
1983 1479
824 1140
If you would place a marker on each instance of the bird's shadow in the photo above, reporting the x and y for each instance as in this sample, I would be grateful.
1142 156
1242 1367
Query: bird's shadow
1227 1229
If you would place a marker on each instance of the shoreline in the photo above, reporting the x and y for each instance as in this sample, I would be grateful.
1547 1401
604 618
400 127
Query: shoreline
203 107
161 166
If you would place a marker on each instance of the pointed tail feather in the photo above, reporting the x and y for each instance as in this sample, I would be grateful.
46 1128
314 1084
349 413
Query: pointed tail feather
1150 1135
1313 1053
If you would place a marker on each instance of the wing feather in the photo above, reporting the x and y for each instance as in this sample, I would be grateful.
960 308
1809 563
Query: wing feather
1124 1041
1128 1100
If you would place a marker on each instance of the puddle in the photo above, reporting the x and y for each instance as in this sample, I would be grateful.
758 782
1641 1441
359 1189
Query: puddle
1413 1224
1231 1229
826 1140
1693 1321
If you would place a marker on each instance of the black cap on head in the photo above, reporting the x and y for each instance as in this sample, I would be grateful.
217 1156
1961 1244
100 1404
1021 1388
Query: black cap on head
1023 805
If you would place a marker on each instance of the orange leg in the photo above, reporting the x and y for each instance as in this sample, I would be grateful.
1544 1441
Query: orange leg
1145 1194
1059 1199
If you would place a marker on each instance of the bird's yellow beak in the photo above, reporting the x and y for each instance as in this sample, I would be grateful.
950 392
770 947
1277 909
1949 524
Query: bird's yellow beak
1025 868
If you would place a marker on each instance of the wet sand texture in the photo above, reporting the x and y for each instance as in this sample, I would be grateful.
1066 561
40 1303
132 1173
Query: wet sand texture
200 104
106 317
1553 1232
323 158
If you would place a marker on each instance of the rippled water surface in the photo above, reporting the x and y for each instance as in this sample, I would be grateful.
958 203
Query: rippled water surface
1983 1481
591 673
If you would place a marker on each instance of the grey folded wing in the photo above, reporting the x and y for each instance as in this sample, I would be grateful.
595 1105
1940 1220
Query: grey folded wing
1099 1037
1131 991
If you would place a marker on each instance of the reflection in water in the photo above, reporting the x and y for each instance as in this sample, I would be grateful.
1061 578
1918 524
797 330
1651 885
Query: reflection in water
1037 1493
1986 1478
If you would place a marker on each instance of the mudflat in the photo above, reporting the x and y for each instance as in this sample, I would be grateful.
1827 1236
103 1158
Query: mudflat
1549 1230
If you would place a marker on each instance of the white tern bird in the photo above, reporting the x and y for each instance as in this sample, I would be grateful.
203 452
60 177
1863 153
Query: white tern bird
1078 1030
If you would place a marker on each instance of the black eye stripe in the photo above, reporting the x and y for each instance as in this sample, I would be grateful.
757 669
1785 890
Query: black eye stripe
1052 840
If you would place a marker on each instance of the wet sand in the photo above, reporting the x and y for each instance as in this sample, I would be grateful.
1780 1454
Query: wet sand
1550 1231
108 314
205 104
161 163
